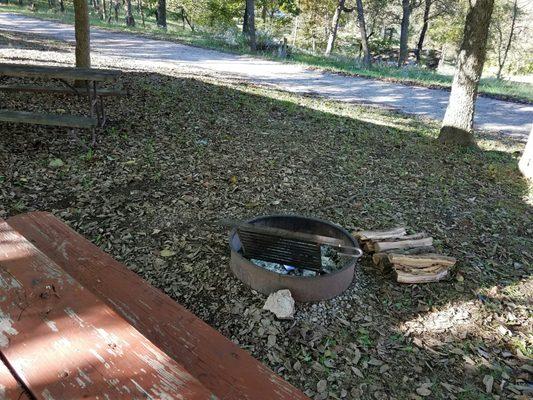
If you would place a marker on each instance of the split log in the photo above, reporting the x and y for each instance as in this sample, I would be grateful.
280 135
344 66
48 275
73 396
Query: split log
403 244
370 245
377 235
414 250
408 277
422 261
382 262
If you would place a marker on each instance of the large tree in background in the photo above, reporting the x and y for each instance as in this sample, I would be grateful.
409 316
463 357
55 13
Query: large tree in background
458 123
404 32
362 32
249 23
82 34
162 14
440 9
130 21
504 27
335 26
423 31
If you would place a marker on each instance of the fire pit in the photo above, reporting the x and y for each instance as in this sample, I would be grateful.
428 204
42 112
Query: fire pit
310 285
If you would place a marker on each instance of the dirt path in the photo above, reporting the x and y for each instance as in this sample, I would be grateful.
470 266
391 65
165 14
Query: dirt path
493 115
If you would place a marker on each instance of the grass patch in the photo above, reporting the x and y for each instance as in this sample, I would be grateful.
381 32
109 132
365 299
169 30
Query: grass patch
340 64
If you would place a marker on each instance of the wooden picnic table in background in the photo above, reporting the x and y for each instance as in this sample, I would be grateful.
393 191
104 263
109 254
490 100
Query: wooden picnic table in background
75 81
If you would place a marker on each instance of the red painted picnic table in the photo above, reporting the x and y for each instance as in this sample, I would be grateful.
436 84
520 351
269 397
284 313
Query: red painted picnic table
75 323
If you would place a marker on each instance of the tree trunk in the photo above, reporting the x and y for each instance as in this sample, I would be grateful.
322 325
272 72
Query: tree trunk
526 161
104 10
295 30
245 27
501 62
130 21
264 13
141 11
82 34
458 122
250 6
116 6
61 6
162 14
334 27
425 25
404 32
362 31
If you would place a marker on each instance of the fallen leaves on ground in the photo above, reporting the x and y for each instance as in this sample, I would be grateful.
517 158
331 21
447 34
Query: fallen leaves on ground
183 152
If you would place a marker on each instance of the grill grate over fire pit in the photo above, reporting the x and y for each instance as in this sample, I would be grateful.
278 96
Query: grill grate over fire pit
288 252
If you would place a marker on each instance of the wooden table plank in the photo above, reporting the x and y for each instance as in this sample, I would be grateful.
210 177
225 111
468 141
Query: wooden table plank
228 371
10 389
54 72
105 92
71 121
64 343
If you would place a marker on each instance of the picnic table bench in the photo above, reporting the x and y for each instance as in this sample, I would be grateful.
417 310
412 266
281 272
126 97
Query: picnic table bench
87 85
75 323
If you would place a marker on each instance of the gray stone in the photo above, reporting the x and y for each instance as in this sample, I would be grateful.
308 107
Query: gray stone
281 304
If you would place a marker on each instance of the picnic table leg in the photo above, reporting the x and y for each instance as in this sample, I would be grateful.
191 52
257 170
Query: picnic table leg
93 107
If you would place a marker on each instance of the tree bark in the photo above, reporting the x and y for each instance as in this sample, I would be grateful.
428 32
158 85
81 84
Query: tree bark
250 21
425 25
130 21
82 34
295 30
245 27
503 59
141 11
526 161
458 123
334 26
162 14
362 31
404 32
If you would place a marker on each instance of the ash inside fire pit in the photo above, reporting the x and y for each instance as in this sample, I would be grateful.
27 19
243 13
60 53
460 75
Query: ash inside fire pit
331 261
287 252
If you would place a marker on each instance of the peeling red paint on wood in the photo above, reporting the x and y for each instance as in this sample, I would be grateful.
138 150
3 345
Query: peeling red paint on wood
224 368
65 343
10 389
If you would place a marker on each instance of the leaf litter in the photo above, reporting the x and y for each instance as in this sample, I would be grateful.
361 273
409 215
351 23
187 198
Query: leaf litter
186 150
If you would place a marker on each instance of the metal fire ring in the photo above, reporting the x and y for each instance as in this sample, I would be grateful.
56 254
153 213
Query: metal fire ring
303 289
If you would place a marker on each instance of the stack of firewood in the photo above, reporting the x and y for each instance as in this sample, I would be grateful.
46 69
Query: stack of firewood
412 258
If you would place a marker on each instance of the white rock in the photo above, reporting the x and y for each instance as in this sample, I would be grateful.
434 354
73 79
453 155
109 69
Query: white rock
281 304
